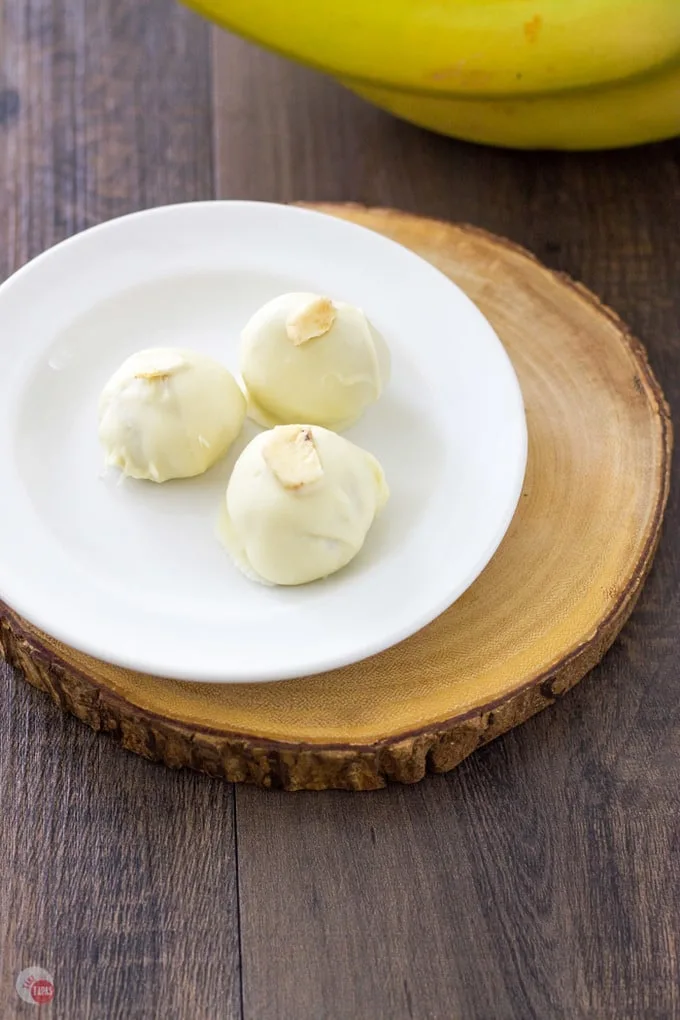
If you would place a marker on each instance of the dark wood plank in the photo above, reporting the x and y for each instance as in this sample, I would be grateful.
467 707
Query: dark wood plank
541 878
116 875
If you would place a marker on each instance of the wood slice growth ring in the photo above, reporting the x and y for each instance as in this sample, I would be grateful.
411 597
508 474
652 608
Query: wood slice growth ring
543 613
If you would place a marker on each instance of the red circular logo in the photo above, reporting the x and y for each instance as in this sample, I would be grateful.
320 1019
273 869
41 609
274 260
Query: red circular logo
42 991
35 985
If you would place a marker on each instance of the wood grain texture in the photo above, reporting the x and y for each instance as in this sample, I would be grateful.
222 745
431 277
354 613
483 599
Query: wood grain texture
118 877
543 613
539 879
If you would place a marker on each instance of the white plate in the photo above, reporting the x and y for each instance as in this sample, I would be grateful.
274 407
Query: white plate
133 572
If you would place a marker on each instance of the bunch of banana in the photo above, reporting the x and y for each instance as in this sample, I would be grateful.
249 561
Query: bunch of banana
563 74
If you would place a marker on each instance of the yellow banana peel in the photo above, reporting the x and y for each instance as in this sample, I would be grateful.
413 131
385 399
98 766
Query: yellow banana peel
564 74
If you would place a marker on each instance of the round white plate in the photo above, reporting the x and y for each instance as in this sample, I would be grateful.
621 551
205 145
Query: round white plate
133 572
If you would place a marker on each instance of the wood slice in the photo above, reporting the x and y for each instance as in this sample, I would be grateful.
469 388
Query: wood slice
543 613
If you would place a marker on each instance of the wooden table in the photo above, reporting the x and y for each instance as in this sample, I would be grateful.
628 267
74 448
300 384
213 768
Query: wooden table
541 878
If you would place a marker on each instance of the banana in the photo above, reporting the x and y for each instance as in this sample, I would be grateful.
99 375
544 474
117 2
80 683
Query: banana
609 117
549 73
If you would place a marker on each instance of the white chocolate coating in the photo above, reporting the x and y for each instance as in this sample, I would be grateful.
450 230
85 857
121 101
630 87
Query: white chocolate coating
299 504
300 363
169 413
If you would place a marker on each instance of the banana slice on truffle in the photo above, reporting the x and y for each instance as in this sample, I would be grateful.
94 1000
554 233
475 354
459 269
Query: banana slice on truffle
299 504
307 358
169 413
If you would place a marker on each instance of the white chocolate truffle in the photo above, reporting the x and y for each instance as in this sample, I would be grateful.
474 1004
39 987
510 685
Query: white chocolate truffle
299 504
169 413
307 358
